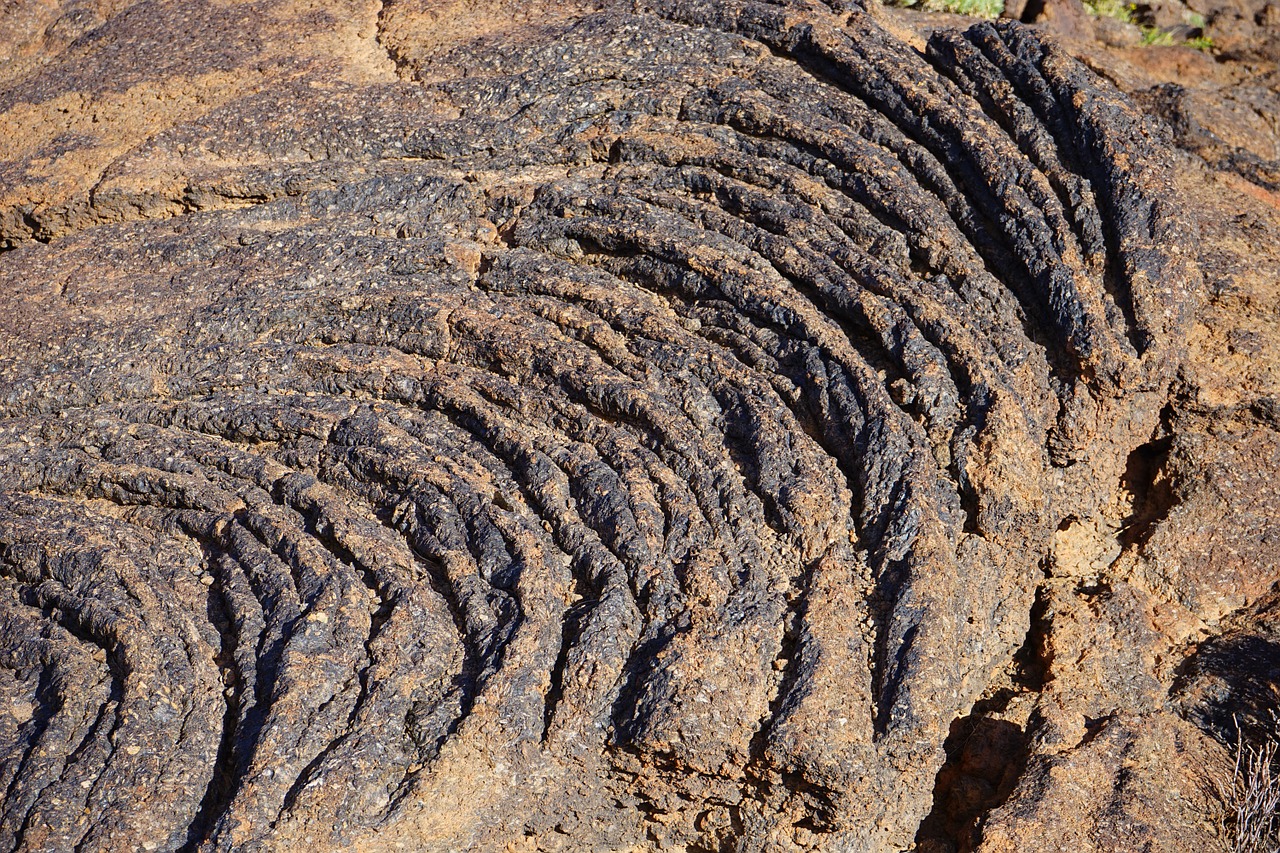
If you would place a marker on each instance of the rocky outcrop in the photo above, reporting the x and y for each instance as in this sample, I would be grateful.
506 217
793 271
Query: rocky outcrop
677 425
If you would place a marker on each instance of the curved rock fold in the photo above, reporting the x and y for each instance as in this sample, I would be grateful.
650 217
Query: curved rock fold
652 436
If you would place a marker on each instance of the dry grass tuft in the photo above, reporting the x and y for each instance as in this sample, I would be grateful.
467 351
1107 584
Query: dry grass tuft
1249 791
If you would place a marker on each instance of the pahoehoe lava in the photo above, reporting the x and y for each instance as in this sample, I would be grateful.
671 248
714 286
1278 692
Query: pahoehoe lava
654 433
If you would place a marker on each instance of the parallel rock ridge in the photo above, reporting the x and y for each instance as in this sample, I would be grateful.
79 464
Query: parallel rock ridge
651 437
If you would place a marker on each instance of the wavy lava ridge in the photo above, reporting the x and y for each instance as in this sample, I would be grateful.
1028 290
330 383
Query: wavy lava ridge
661 446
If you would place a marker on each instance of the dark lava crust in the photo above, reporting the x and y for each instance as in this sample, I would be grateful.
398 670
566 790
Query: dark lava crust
651 434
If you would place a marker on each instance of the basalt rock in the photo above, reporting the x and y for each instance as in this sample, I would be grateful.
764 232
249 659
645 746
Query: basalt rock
648 426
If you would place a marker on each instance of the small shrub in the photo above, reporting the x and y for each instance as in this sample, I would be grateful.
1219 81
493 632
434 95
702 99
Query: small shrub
973 8
1249 792
1117 9
1151 36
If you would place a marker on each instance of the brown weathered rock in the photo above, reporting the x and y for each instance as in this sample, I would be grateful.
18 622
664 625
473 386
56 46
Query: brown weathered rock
1064 18
658 425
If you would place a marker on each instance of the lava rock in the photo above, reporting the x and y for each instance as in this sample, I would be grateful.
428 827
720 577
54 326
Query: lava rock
636 426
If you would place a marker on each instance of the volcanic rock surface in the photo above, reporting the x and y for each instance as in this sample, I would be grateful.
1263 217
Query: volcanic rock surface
661 425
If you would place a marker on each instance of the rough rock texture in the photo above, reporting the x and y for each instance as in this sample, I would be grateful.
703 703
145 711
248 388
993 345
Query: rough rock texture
663 425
